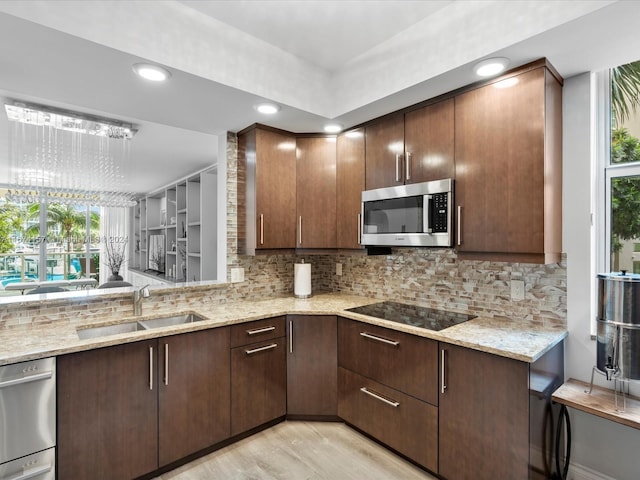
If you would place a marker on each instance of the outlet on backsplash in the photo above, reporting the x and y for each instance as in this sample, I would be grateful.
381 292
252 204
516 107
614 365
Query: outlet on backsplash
517 290
339 269
237 274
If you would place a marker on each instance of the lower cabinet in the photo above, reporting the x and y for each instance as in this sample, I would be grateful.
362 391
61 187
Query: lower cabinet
194 393
484 416
312 362
400 421
108 413
125 411
258 383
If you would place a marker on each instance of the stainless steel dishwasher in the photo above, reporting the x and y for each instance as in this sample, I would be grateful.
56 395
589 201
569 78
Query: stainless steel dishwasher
28 420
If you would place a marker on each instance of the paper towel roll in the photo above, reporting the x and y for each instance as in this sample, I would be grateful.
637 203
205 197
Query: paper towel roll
302 280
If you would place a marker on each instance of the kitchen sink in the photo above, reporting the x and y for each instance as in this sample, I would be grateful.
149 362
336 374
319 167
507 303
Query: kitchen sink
170 321
97 332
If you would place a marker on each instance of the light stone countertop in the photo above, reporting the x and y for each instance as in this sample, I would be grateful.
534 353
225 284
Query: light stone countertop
514 339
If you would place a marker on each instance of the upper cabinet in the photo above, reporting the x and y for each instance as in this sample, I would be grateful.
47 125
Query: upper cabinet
508 144
267 203
316 192
349 187
414 147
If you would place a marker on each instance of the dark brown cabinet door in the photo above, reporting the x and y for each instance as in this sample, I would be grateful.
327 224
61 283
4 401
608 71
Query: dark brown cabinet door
258 384
312 363
399 360
428 143
349 187
107 412
194 392
397 420
508 168
384 149
316 192
266 190
484 416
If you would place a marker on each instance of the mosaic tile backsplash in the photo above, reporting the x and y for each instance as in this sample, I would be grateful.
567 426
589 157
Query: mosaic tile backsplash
434 277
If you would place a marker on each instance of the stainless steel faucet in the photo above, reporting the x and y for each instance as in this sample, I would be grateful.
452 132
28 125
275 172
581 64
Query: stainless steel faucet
138 296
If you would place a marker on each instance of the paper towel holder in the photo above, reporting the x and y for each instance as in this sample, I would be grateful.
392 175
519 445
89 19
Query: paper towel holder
302 286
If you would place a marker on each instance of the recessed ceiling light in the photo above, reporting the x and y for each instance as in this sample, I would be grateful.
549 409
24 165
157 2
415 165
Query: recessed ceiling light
267 108
151 72
333 128
491 66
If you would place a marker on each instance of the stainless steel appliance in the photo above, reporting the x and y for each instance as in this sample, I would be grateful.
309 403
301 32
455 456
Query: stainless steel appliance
618 335
418 214
28 420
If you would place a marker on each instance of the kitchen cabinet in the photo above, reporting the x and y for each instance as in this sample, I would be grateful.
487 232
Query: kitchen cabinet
266 190
145 404
194 393
312 357
108 412
414 147
400 421
508 144
350 163
399 360
492 413
316 192
258 381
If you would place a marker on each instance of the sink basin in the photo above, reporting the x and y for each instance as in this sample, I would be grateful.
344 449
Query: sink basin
97 332
170 321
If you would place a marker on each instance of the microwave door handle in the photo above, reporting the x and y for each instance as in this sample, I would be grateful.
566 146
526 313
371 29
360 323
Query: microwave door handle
427 211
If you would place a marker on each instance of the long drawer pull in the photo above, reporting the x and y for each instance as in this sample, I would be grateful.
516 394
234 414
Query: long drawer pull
34 472
258 331
394 404
150 368
380 339
166 364
443 381
261 349
30 378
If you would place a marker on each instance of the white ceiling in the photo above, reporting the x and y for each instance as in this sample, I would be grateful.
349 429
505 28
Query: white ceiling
350 61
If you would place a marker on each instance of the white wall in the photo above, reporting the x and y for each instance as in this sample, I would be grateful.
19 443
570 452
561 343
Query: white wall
598 445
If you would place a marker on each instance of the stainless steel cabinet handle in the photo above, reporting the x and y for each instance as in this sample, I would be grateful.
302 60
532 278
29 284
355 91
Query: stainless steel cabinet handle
33 473
150 368
359 231
397 167
258 331
300 230
407 166
459 224
380 339
261 349
30 378
394 404
290 336
443 383
166 364
261 229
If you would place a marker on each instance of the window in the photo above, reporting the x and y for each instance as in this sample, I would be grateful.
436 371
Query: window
622 169
42 241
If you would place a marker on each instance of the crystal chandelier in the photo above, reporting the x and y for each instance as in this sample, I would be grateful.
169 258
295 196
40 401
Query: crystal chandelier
68 157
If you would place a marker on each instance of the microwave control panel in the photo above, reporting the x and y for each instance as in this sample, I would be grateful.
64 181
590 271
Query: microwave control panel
439 217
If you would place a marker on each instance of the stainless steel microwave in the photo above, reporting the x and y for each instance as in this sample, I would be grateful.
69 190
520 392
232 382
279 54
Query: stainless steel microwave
418 214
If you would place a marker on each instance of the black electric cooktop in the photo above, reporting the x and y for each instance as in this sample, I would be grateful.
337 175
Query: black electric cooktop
413 315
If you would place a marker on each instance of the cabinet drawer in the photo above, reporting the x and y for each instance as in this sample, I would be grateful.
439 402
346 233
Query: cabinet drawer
399 360
258 331
404 423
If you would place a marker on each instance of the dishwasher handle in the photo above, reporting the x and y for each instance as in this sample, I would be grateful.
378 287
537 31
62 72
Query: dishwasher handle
33 472
27 379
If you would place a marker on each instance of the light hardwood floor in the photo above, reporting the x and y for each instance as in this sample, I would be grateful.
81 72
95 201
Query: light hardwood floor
301 451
